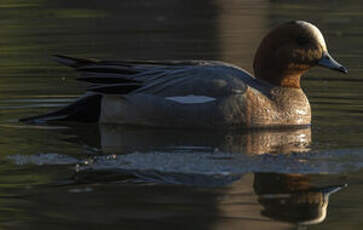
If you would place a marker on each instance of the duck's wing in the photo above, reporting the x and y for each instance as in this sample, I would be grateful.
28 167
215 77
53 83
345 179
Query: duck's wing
164 78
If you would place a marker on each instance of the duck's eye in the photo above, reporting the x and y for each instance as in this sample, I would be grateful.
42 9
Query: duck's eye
302 40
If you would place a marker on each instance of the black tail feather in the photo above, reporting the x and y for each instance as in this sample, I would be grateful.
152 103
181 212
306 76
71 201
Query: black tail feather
86 109
108 69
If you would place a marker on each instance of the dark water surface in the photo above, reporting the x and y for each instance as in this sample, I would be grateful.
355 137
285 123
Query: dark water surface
92 177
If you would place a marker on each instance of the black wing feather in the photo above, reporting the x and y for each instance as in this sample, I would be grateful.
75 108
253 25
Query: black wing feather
122 77
115 88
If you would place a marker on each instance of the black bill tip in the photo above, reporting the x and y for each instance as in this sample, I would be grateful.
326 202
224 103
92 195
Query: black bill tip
328 61
342 69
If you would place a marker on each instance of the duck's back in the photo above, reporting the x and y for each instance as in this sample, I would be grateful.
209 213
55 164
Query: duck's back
208 95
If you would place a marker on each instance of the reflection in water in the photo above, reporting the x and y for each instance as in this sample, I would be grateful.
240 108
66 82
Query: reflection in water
120 139
239 37
291 198
259 202
286 198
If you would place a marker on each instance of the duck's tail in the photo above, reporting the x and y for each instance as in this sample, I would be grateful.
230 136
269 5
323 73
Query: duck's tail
86 109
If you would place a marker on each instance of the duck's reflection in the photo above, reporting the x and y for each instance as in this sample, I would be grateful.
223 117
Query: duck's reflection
292 198
285 198
118 139
254 201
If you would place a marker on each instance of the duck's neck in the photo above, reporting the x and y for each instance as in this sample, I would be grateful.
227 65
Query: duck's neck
282 80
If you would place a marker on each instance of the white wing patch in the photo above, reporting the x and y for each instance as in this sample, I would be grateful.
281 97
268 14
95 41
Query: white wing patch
191 99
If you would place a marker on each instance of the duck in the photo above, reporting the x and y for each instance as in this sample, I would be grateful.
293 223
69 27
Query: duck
202 94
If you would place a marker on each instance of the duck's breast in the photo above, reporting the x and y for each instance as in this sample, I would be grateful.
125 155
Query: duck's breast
283 107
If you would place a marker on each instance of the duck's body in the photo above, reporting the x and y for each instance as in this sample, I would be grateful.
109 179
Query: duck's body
206 95
202 94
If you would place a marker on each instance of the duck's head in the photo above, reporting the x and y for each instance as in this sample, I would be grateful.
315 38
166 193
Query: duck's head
290 50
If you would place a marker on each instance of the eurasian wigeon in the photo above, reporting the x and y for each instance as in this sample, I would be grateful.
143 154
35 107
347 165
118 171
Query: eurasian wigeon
203 94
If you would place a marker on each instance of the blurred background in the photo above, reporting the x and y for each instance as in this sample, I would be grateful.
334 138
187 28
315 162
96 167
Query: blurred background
48 175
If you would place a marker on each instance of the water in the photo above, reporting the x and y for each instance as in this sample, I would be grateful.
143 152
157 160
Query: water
79 176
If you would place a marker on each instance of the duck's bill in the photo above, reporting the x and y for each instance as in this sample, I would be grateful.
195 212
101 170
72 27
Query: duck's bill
328 62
